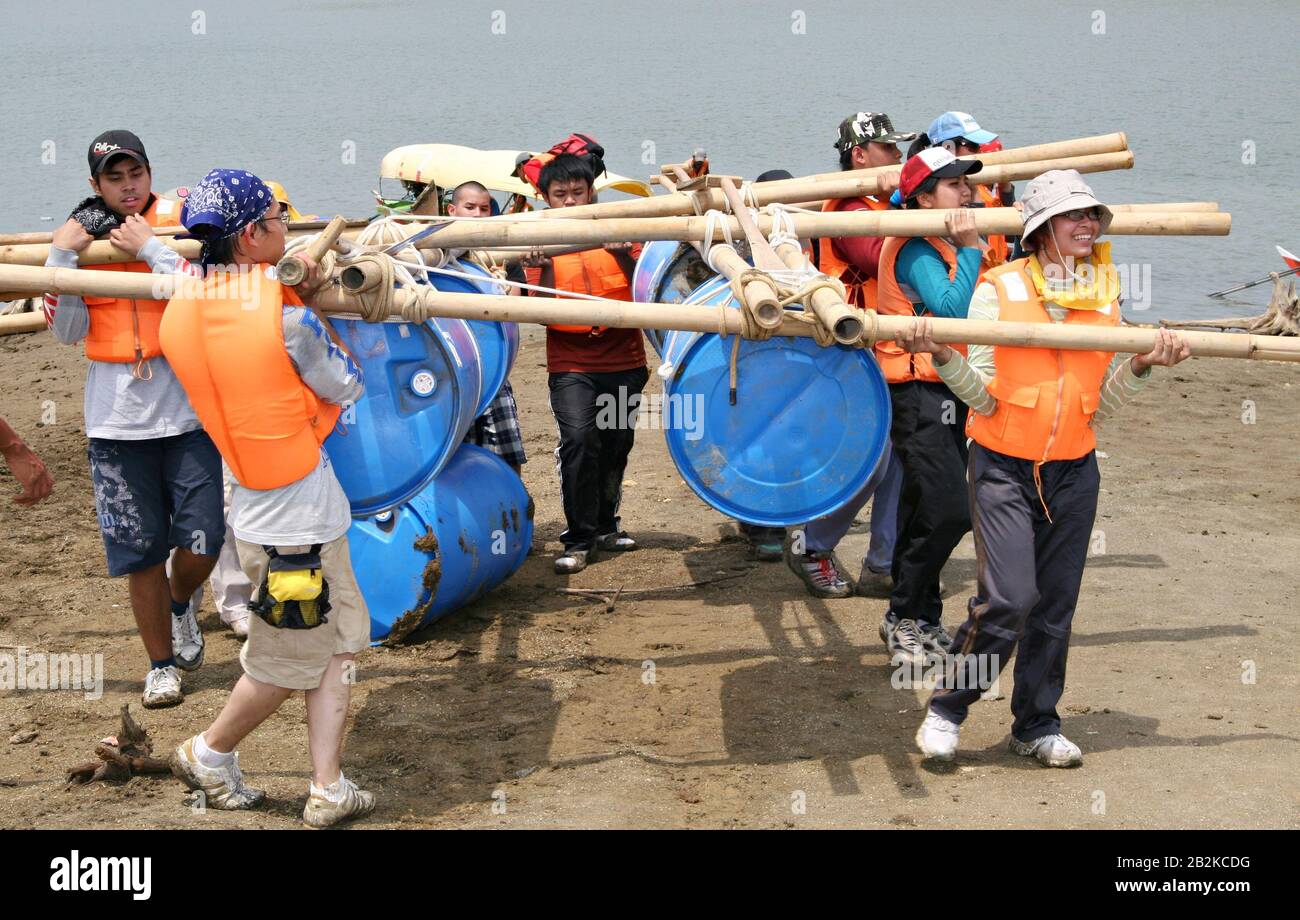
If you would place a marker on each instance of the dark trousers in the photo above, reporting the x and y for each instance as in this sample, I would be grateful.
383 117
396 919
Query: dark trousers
929 440
1029 574
597 414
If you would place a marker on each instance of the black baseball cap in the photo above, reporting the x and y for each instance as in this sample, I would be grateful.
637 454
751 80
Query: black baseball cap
111 144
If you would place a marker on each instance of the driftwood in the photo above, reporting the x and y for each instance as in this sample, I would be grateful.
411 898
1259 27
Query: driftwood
1281 318
129 753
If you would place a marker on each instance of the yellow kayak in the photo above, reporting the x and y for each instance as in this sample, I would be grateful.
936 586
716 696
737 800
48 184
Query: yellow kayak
448 165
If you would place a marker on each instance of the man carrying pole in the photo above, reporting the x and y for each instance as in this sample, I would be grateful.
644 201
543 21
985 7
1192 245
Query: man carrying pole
157 475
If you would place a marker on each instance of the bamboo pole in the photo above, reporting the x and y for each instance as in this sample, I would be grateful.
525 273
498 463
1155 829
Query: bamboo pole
496 232
423 299
1079 147
847 184
829 224
15 323
296 228
292 269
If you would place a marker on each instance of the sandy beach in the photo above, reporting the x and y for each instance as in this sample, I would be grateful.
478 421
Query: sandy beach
739 703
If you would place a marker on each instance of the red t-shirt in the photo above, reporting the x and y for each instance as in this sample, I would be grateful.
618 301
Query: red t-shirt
592 272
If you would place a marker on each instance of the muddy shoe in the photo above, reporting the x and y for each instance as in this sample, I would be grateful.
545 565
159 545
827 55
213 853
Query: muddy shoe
820 576
573 560
616 542
340 802
222 787
162 687
873 584
1050 750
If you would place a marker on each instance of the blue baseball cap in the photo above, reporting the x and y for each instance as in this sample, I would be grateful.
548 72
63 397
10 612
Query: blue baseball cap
952 125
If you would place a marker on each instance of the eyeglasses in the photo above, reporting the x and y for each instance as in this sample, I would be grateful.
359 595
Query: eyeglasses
1079 214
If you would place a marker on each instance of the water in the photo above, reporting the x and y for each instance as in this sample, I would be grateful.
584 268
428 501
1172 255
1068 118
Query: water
286 88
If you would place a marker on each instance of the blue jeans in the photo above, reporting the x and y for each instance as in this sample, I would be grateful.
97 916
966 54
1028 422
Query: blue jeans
824 534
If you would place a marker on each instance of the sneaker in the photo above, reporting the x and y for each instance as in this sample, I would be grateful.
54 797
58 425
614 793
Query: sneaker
937 737
187 640
323 810
618 542
1051 750
222 787
903 640
821 577
239 627
573 560
162 687
763 551
873 584
935 638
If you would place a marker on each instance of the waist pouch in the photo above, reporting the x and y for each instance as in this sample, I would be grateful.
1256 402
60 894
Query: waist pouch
294 592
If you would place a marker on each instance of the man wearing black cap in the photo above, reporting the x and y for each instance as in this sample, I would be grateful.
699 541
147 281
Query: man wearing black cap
156 474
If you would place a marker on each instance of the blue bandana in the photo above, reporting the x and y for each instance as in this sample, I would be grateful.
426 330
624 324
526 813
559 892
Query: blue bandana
225 202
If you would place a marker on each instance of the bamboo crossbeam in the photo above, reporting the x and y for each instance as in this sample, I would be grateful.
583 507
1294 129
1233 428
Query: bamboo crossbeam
293 267
423 300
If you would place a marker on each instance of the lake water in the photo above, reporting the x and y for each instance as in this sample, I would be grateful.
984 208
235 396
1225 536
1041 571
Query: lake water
286 89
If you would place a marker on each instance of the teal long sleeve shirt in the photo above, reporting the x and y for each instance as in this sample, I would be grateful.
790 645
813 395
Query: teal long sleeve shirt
921 267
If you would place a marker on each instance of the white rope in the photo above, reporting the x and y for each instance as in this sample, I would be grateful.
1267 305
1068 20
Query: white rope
783 229
713 219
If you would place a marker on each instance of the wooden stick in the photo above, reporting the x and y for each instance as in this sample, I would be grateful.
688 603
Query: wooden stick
1079 147
847 184
1006 221
695 317
292 269
17 323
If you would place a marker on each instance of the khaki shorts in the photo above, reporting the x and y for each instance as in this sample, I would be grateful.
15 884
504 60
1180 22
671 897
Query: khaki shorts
296 659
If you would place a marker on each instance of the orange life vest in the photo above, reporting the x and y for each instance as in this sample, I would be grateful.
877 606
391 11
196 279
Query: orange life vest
860 290
592 271
1046 397
899 365
121 329
998 251
230 356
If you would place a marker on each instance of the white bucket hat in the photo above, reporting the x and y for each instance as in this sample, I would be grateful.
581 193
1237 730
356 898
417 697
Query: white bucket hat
1055 192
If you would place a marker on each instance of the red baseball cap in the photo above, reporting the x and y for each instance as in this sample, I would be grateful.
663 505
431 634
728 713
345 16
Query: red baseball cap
936 162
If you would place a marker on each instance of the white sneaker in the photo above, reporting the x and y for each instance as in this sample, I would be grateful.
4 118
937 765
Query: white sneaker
162 687
937 737
187 640
1050 750
240 627
346 802
223 787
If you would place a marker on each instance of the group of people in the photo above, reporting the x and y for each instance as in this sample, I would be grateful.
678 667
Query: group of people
201 464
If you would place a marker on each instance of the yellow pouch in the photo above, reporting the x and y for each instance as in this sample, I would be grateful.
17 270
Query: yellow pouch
294 594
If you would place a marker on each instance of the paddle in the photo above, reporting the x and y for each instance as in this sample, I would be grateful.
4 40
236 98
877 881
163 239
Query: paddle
1251 284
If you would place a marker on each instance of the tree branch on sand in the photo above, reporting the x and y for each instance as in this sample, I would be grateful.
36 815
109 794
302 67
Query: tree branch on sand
129 753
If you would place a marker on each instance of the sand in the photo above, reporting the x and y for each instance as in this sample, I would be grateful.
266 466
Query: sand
741 703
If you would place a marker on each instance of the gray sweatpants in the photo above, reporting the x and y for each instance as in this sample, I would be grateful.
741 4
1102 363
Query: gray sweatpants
1029 571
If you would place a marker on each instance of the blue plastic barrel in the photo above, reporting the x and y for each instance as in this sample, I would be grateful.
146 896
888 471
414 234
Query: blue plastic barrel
809 426
667 272
423 388
464 534
498 343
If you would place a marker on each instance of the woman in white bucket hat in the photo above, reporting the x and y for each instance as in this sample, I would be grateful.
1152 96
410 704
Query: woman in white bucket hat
1033 471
